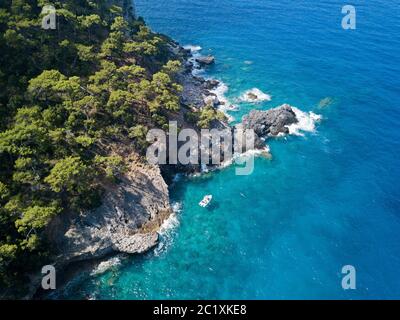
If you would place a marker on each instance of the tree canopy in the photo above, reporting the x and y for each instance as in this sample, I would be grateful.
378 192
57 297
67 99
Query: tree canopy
100 76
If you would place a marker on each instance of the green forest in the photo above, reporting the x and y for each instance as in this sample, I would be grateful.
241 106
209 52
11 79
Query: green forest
67 94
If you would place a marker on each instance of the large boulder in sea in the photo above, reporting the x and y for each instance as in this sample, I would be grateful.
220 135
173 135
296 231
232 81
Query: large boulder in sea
270 122
205 60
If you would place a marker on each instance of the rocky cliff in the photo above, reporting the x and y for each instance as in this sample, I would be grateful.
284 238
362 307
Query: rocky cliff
127 221
133 210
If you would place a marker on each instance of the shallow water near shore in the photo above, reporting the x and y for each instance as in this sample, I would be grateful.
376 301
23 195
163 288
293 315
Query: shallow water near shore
326 199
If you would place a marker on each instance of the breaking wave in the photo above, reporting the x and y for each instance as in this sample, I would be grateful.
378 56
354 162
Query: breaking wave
104 266
195 51
225 105
307 122
168 229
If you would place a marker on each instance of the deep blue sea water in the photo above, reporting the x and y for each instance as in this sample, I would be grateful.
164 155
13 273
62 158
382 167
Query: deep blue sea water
327 199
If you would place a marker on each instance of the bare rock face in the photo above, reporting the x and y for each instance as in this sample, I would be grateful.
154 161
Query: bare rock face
270 122
193 90
138 243
211 84
196 91
127 221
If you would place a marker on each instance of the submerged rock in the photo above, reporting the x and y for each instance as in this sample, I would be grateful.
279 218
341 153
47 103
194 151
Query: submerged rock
252 96
270 122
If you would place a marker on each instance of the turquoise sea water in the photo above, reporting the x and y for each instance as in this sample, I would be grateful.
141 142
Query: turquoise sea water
325 200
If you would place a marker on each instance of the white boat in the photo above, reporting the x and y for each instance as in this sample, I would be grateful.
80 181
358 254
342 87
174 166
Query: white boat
206 201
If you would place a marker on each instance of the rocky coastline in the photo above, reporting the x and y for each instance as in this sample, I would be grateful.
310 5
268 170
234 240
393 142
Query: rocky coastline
133 211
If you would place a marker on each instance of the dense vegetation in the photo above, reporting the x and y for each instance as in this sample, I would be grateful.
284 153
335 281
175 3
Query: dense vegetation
66 96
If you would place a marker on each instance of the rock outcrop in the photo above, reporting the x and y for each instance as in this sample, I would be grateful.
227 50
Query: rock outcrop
211 84
196 90
271 122
193 90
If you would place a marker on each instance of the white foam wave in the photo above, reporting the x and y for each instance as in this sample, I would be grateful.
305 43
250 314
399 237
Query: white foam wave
204 168
178 177
254 95
106 265
306 122
220 91
177 207
172 222
254 153
226 105
246 155
168 228
195 51
193 48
